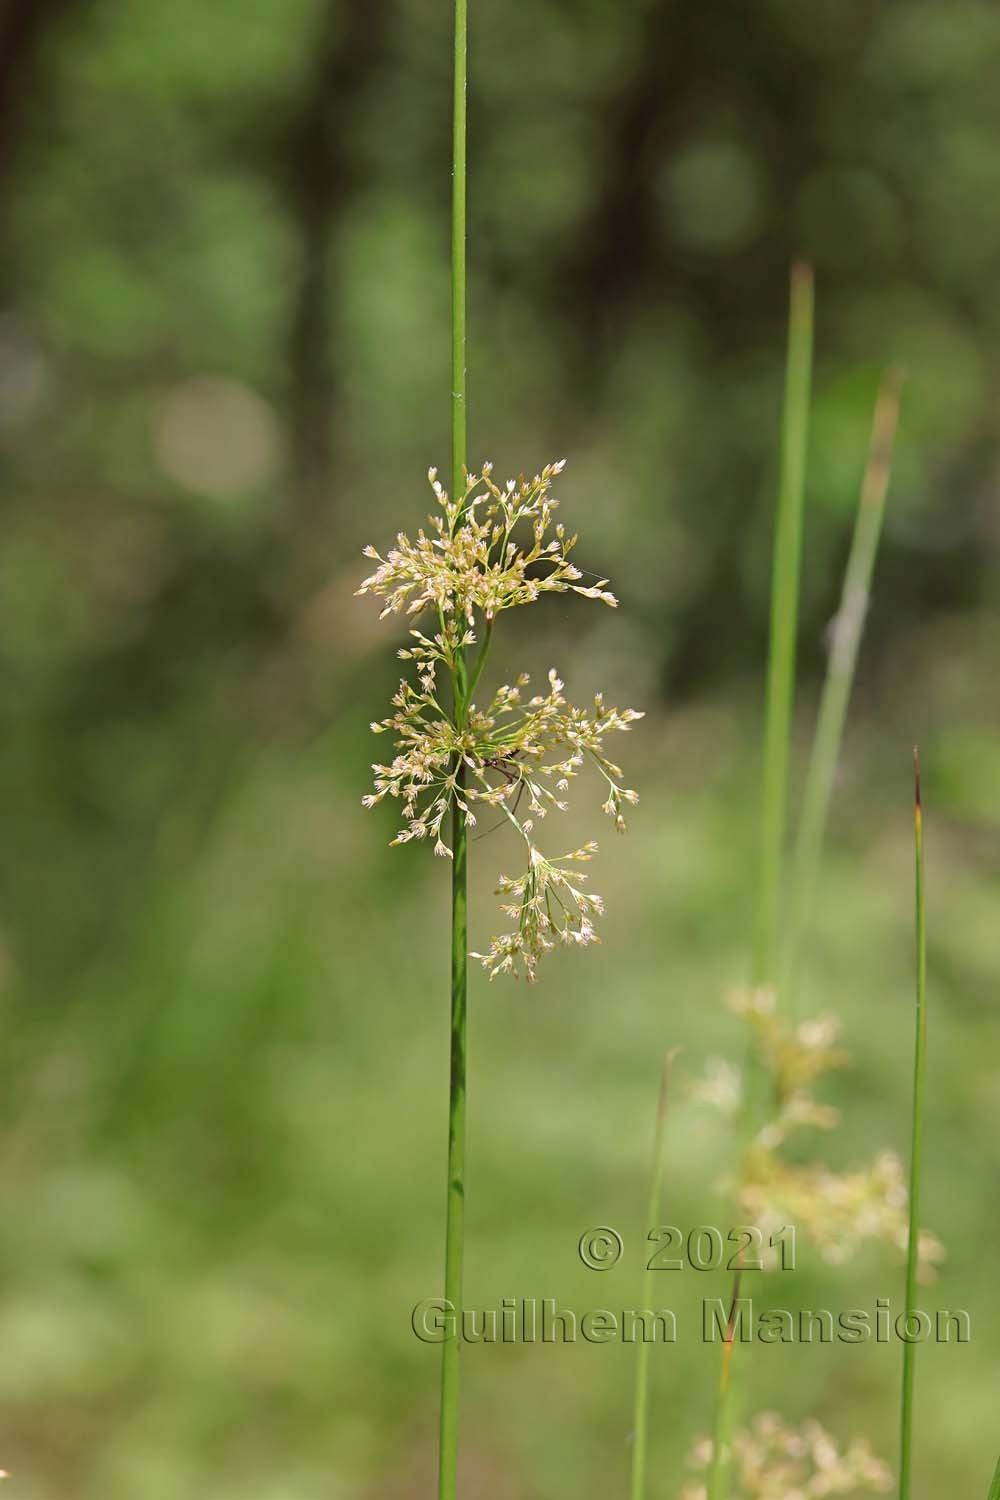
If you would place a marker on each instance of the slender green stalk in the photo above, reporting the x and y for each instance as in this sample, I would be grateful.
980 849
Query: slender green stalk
455 1212
777 738
458 237
916 1139
640 1425
994 1493
848 625
455 1220
718 1476
784 621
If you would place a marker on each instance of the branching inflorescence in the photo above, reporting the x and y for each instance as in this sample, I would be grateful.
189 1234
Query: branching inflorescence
776 1462
493 550
837 1211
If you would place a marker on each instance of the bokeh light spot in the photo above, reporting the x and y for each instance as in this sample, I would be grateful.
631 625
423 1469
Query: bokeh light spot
215 436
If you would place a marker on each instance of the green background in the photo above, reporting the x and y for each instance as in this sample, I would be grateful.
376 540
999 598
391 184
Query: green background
223 369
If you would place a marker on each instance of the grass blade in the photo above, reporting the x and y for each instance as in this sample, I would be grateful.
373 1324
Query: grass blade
916 1137
847 629
994 1493
784 623
640 1423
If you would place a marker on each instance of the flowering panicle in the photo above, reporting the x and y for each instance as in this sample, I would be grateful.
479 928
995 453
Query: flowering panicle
473 561
837 1211
772 1461
493 550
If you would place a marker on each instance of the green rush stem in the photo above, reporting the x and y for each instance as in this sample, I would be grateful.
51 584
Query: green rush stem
455 1212
846 631
916 1138
776 757
640 1423
455 1219
994 1493
784 620
458 246
718 1474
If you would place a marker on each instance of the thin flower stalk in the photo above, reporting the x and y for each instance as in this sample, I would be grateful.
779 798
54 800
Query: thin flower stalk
845 638
720 1458
916 1138
454 1287
640 1423
459 245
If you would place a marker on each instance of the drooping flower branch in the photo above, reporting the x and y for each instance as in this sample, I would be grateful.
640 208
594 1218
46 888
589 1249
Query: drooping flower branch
495 549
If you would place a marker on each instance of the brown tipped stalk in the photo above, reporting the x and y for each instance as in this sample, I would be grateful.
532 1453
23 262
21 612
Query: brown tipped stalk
640 1425
718 1474
846 631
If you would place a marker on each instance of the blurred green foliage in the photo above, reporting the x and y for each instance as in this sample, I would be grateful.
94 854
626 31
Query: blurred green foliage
223 368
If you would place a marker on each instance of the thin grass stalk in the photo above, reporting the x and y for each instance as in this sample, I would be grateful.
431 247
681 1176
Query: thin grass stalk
784 624
846 632
455 1200
777 740
994 1493
458 250
640 1422
718 1478
916 1138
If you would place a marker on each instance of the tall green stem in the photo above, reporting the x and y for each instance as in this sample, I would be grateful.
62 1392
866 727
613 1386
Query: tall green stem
455 1219
784 622
777 737
994 1493
455 1212
916 1140
640 1413
458 234
718 1476
846 632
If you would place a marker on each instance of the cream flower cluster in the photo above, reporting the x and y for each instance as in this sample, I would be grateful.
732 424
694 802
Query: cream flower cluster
773 1461
838 1211
494 550
473 560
